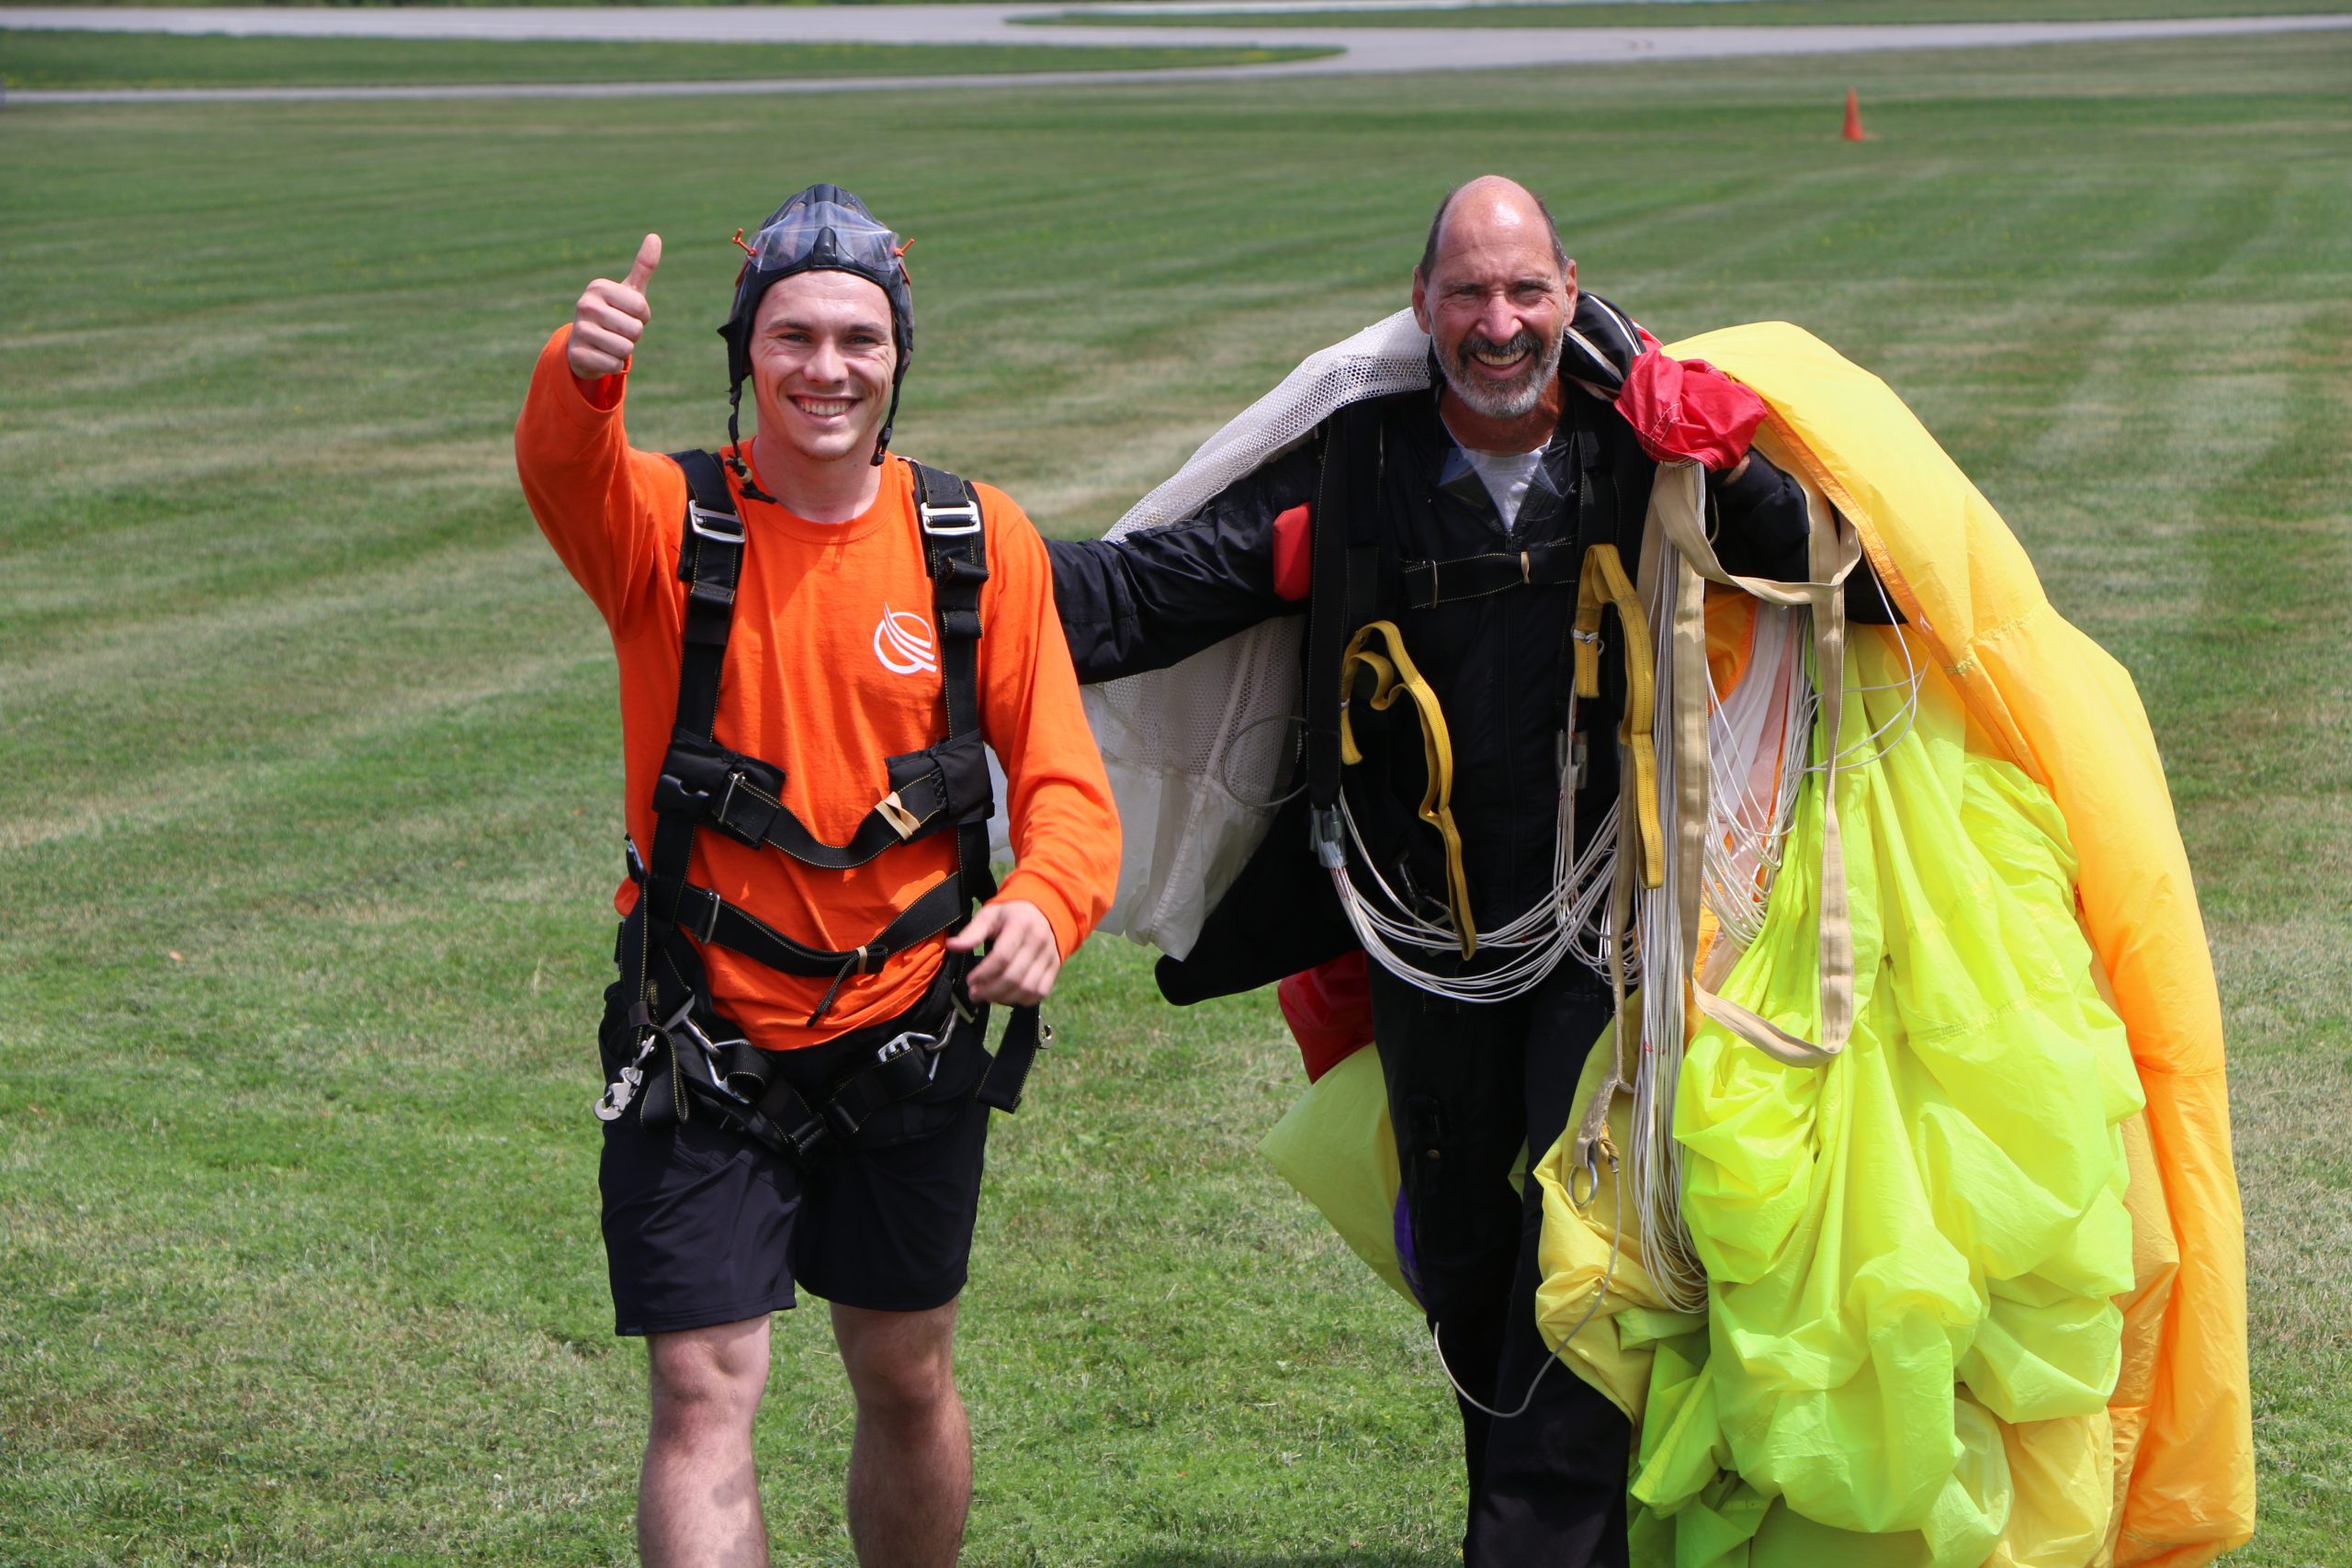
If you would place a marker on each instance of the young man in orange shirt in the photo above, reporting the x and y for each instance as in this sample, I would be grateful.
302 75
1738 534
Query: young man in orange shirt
811 652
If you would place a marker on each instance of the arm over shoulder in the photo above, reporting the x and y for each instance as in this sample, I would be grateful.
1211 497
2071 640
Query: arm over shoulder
1161 594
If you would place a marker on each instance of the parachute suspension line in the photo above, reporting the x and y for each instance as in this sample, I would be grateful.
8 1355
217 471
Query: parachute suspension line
1600 1295
1758 736
1571 922
1666 1251
1235 789
1889 733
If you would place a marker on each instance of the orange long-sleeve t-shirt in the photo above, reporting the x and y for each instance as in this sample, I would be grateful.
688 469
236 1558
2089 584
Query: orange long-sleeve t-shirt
832 666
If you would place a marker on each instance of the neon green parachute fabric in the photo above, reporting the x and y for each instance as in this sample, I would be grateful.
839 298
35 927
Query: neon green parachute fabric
1914 1249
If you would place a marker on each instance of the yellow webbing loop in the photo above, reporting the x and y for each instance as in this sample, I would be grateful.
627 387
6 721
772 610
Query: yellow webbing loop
1390 675
902 821
1833 548
1603 586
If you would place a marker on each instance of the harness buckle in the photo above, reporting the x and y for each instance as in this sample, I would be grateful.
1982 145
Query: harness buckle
967 519
1323 835
913 1040
681 1025
719 527
618 1093
623 1089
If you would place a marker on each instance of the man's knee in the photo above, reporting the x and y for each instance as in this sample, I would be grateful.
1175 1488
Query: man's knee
706 1381
901 1364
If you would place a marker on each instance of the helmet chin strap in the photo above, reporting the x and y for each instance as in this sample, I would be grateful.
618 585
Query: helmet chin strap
882 442
735 445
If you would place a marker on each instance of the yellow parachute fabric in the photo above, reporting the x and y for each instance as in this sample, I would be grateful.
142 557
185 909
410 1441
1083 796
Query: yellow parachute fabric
2056 705
1334 1145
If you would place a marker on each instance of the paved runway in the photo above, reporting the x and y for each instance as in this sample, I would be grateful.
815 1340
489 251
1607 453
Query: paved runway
1365 51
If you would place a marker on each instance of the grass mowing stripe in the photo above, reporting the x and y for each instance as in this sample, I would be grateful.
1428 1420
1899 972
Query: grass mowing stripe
296 1227
42 58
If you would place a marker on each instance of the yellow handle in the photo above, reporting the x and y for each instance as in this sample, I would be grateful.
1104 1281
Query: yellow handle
1392 675
1603 585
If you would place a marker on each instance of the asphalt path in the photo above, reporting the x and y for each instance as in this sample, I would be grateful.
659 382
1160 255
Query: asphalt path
1364 50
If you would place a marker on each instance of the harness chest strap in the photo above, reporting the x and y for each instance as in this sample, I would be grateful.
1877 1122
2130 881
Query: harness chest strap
933 789
1428 583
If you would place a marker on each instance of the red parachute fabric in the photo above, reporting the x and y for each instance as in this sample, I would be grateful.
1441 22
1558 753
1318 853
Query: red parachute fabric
1687 410
1329 1008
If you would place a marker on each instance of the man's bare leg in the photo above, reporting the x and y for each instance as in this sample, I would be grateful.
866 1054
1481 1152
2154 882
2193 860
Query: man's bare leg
697 1499
910 1465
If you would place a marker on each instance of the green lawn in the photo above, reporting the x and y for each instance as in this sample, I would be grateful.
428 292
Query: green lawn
1731 13
32 59
309 810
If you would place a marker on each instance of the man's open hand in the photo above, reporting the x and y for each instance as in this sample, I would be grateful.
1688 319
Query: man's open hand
1022 957
610 317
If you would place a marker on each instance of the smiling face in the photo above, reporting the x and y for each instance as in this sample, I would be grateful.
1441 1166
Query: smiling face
1496 300
821 361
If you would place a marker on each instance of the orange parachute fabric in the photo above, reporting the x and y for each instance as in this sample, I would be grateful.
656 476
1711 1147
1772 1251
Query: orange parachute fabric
2067 715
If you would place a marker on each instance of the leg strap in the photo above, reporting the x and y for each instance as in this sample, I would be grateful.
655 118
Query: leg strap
1026 1034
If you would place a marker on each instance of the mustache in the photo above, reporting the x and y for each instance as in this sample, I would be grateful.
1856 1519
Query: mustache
1522 342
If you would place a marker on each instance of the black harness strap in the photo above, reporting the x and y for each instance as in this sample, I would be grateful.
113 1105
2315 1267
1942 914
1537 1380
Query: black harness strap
1344 572
941 787
707 918
955 551
710 560
1428 583
704 784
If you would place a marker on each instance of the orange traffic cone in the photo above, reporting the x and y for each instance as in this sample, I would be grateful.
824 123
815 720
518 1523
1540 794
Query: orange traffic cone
1853 117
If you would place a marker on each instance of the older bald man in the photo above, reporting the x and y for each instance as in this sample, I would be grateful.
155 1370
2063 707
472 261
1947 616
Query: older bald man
1477 500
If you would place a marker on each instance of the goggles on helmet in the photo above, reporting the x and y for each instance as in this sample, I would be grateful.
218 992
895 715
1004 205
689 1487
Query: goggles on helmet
823 229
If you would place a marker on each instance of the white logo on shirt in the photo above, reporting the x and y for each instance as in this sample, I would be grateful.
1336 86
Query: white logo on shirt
902 642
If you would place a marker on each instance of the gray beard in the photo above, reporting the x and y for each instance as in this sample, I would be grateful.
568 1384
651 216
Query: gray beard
1508 399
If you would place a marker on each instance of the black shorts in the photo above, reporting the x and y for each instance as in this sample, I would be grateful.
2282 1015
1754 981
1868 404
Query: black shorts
702 1225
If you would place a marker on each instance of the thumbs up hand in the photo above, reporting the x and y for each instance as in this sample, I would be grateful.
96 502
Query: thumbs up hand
610 317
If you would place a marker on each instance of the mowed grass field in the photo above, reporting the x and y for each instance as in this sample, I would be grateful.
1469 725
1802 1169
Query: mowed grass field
37 59
309 763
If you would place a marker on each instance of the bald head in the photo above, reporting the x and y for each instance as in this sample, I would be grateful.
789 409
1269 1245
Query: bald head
1488 208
